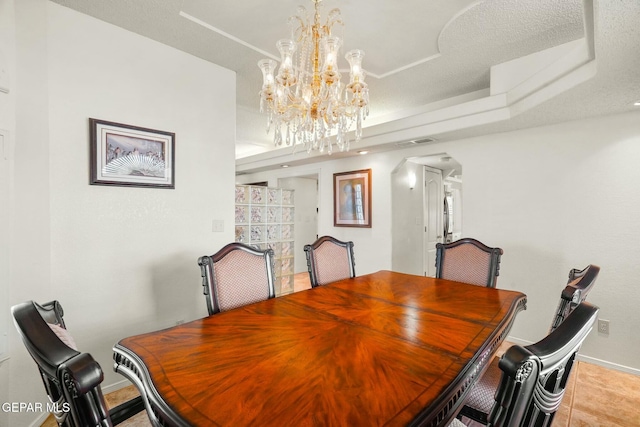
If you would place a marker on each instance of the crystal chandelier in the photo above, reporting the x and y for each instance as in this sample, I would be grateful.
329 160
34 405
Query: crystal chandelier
305 101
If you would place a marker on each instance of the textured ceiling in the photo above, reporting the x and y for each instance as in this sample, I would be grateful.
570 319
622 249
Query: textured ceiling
417 52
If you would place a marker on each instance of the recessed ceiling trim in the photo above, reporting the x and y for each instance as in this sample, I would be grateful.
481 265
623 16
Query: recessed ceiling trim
277 58
227 35
455 17
405 67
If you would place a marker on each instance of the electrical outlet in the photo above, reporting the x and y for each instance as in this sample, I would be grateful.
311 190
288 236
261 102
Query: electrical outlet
603 326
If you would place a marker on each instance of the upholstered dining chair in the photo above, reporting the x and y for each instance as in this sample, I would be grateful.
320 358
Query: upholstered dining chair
329 260
237 275
71 378
578 287
468 260
534 377
480 399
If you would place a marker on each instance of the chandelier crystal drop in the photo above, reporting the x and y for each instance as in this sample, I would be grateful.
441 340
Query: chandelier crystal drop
305 101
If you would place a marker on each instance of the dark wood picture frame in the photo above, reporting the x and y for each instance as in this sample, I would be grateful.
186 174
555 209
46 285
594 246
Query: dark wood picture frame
131 156
352 199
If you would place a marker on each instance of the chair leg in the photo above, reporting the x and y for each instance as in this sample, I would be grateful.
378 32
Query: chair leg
126 410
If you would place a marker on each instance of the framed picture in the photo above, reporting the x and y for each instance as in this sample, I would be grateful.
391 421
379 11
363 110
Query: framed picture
131 156
352 199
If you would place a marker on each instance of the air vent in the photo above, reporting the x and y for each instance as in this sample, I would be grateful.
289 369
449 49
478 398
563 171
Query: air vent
415 141
422 141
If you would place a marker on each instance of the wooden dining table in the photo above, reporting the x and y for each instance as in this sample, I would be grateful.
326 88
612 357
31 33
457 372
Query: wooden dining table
380 349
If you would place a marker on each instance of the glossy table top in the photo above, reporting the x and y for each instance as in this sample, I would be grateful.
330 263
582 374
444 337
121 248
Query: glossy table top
381 349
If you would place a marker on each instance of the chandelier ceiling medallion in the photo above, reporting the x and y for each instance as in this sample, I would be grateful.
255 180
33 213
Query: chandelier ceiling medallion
305 101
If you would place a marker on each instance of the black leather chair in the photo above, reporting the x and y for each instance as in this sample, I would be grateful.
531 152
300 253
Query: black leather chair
329 260
534 377
237 275
71 378
468 260
578 287
480 399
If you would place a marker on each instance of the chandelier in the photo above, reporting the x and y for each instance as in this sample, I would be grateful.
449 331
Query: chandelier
305 101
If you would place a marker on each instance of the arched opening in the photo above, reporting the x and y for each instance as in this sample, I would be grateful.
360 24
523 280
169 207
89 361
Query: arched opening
426 209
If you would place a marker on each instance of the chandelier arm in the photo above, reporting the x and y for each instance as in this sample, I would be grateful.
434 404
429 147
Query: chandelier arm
334 17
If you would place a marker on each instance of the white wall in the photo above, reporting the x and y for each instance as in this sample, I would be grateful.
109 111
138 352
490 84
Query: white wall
29 245
121 260
553 198
559 197
306 217
7 129
407 223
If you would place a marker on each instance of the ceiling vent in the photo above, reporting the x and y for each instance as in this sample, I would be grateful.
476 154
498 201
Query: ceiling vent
422 141
415 142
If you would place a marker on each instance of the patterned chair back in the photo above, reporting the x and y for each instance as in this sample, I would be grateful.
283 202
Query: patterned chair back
329 260
237 275
468 261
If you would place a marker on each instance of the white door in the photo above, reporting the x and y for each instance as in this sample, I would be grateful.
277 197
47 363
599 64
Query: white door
433 212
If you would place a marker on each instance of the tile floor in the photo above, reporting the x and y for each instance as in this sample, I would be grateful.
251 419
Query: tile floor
301 282
600 397
595 397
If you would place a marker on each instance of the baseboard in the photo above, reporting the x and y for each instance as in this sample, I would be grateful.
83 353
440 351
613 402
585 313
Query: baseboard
587 359
609 365
106 389
518 341
38 421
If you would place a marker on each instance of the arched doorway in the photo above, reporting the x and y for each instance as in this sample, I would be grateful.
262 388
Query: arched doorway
426 209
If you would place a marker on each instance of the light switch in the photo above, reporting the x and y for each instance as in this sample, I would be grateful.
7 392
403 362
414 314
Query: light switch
5 149
218 226
4 351
4 74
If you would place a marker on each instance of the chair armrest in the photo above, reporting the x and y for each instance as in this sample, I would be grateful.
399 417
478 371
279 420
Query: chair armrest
551 349
82 373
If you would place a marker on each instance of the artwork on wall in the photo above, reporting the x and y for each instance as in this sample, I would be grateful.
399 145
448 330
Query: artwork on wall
132 156
352 199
